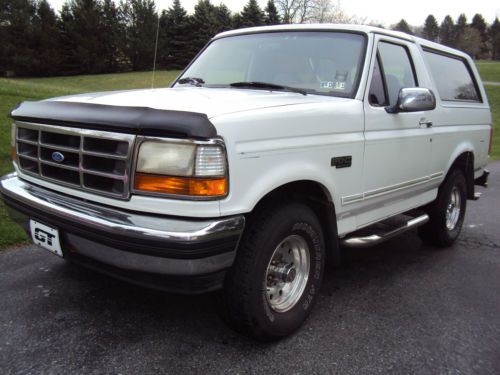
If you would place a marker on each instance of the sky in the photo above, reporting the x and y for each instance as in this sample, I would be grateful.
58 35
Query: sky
386 12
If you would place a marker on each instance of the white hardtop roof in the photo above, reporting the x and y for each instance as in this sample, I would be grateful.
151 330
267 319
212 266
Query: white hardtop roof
344 27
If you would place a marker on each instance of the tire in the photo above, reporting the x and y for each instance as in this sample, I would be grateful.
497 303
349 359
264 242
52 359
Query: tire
252 301
447 212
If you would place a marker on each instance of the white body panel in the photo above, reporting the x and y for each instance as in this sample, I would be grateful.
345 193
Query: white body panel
210 101
397 156
273 138
278 146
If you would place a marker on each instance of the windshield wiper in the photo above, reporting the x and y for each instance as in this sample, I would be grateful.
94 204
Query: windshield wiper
267 86
193 81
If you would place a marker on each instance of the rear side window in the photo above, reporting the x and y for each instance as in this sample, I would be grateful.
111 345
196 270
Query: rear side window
453 78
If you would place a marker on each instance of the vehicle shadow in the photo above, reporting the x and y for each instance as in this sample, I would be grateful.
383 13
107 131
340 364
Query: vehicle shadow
378 263
135 313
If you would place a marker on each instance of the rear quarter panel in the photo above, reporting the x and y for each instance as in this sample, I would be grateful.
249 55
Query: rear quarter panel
459 126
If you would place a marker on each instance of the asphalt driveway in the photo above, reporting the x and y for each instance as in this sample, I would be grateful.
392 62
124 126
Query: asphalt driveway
401 307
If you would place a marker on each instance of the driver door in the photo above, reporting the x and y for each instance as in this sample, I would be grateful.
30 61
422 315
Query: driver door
397 148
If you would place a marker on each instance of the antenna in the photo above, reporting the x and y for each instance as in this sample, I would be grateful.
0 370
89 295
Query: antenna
156 51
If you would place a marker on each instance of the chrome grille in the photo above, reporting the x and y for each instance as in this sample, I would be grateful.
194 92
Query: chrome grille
84 159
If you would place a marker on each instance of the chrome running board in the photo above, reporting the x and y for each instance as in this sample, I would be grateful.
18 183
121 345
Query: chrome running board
375 239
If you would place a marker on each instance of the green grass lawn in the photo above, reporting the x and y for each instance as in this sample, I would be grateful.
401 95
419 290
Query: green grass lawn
14 91
493 93
489 70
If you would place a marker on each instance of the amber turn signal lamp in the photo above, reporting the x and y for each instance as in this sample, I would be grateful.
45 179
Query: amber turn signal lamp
14 153
196 187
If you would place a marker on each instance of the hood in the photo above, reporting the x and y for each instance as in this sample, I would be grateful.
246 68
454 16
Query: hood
171 112
209 101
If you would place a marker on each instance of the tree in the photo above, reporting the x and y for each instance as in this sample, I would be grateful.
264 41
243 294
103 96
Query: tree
3 46
16 22
45 55
223 19
461 24
69 59
479 24
114 56
97 36
431 28
237 21
469 41
403 27
252 15
140 21
447 32
324 11
494 33
203 25
295 11
84 37
271 16
305 8
175 38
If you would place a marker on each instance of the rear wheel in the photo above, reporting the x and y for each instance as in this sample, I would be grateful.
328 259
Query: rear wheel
276 277
447 212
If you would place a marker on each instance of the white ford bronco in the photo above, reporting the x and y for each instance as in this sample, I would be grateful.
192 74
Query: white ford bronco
274 147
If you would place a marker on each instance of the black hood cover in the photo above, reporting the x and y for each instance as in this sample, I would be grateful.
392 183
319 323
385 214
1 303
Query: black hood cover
135 120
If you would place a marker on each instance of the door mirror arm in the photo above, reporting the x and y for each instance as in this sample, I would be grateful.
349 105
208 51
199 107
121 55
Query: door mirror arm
392 109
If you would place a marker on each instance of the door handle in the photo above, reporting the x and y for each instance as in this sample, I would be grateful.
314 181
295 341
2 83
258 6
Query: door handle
425 123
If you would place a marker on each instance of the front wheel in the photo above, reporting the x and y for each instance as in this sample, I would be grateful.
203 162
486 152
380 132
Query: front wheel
276 277
447 212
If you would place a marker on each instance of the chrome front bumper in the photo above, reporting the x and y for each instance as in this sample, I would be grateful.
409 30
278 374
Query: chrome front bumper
130 244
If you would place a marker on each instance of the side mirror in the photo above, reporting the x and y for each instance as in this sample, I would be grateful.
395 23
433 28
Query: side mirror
413 99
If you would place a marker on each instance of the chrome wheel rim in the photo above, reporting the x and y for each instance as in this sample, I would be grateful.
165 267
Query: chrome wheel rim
453 209
287 273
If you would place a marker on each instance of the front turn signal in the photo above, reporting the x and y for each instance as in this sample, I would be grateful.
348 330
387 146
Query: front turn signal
185 186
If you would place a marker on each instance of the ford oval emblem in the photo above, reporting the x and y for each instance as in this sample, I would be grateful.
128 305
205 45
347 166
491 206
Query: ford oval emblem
57 157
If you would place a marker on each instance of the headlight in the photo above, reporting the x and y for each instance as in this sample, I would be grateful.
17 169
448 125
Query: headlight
184 169
166 158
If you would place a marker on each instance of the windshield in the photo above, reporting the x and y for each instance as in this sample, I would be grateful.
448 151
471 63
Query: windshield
326 63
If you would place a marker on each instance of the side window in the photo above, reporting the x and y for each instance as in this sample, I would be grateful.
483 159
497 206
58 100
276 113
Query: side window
453 78
377 95
397 69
